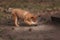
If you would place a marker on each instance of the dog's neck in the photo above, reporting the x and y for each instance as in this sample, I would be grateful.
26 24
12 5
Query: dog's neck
25 13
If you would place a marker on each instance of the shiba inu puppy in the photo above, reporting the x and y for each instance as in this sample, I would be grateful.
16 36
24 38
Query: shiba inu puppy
26 16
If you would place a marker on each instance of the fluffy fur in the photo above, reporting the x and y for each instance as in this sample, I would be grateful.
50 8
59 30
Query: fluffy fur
26 16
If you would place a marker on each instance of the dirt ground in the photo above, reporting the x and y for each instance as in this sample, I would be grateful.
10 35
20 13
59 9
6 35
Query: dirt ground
41 32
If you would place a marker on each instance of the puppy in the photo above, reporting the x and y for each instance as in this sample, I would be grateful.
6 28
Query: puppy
26 16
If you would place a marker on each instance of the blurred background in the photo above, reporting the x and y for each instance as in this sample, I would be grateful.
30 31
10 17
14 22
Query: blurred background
34 6
49 10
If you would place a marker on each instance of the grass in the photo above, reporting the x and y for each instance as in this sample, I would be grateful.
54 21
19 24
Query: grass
33 6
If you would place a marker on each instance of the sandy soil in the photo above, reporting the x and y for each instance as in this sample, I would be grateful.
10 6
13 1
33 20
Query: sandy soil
40 32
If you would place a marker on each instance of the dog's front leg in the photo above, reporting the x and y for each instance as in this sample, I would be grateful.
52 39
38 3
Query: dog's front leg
26 21
15 20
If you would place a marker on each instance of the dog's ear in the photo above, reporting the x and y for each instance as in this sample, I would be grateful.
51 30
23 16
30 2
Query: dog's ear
33 17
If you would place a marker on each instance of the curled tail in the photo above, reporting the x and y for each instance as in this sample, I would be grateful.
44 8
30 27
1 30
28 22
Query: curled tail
6 10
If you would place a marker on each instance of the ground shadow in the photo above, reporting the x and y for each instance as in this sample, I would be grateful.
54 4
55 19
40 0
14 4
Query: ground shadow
55 20
22 24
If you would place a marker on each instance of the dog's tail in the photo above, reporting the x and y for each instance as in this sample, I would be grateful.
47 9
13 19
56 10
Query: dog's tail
10 9
6 10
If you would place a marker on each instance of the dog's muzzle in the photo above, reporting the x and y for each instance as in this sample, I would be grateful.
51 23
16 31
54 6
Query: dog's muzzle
34 23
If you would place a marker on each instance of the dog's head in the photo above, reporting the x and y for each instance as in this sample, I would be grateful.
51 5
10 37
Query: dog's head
33 20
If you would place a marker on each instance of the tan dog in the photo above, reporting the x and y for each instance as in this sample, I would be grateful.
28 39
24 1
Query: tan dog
26 16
